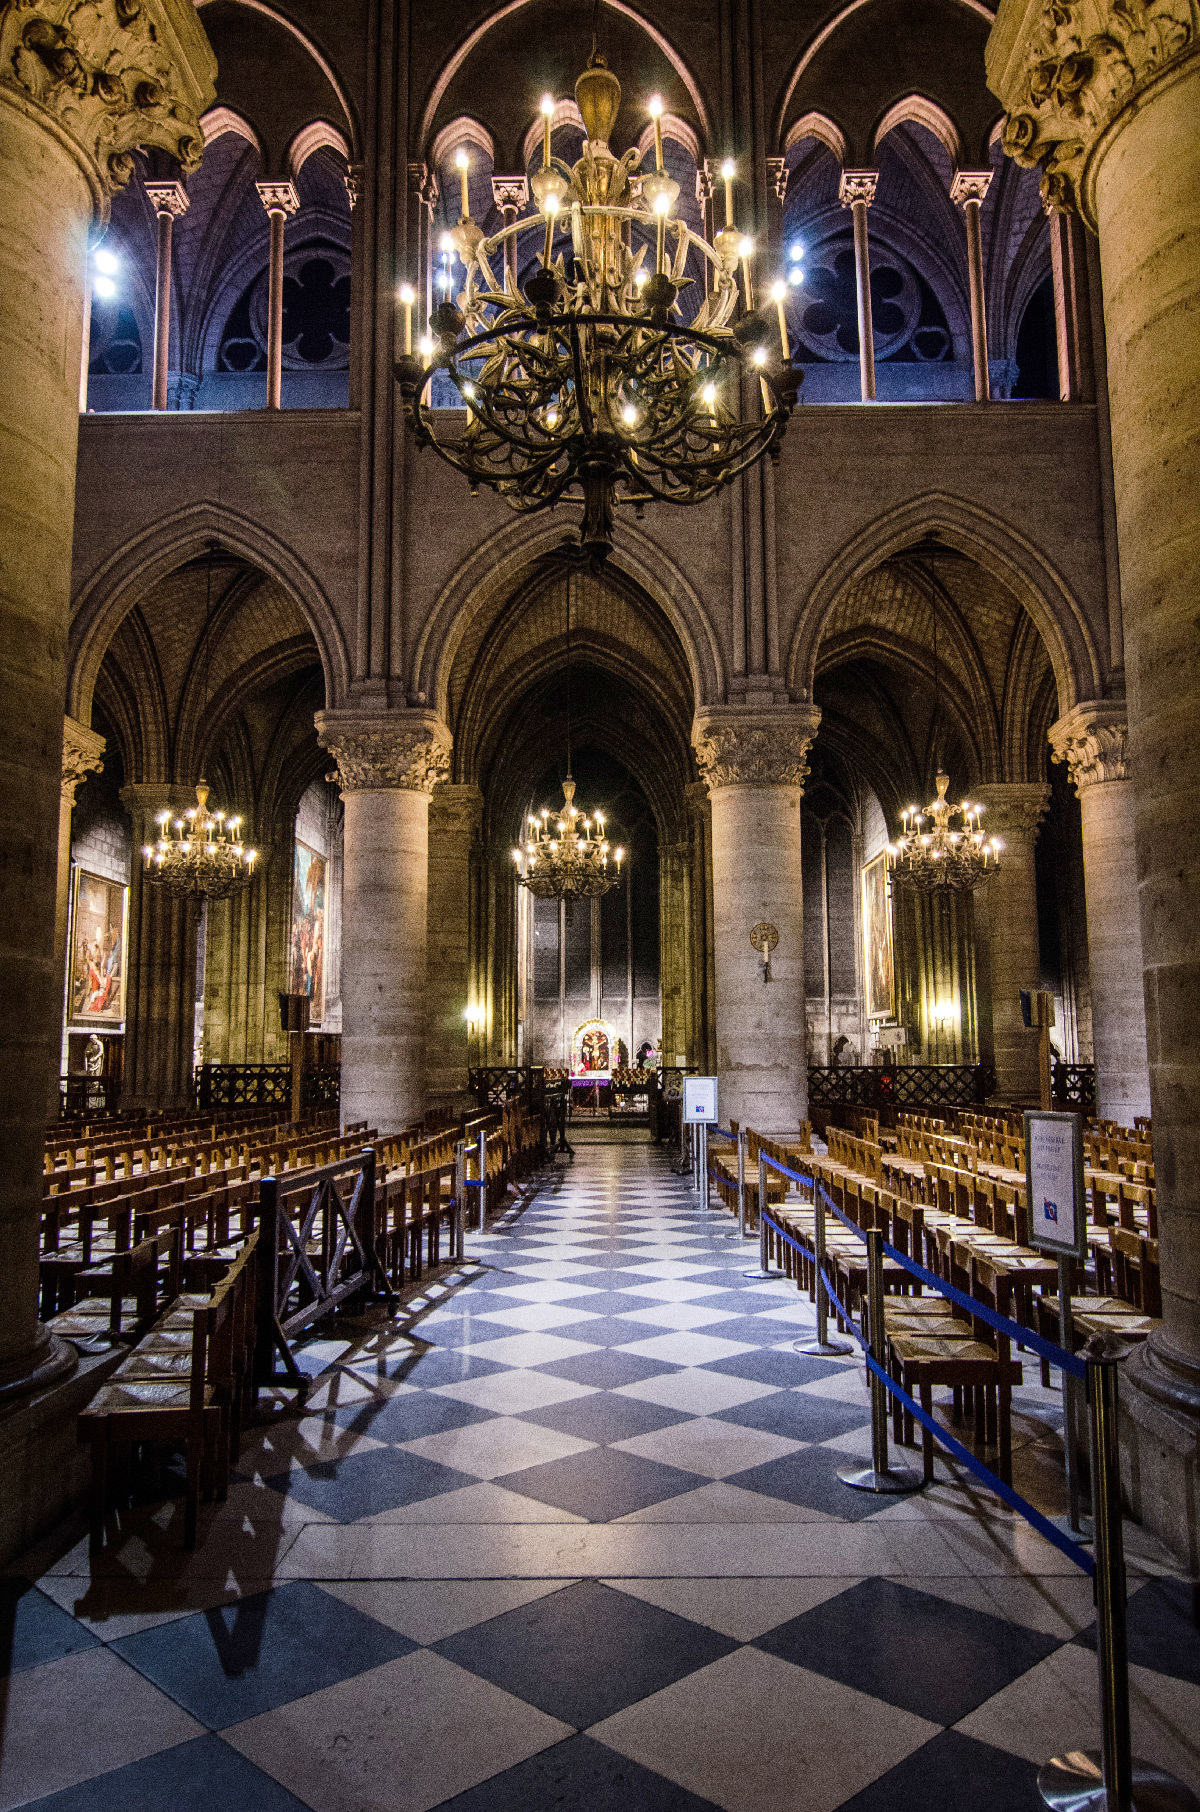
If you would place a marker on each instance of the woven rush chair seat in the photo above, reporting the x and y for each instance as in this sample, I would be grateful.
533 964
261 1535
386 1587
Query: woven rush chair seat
919 1362
91 1319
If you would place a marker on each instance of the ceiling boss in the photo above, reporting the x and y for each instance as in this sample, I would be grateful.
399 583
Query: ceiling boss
591 379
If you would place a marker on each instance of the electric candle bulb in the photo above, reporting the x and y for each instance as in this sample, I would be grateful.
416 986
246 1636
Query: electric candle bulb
547 116
778 293
464 164
728 172
407 298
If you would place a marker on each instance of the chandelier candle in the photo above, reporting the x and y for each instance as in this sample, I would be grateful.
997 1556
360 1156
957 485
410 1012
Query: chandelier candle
407 298
464 164
728 172
656 108
547 116
778 296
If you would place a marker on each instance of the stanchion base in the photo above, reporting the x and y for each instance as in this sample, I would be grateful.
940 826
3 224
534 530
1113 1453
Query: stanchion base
761 1276
822 1349
1075 1783
895 1480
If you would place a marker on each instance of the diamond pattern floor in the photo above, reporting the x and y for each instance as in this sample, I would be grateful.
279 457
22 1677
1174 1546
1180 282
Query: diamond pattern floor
573 1538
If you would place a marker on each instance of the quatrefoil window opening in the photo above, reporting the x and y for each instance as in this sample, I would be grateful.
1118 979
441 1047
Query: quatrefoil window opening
908 320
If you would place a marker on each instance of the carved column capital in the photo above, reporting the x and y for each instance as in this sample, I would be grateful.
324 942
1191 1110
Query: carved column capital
857 185
409 749
777 176
145 799
735 747
353 180
109 76
168 198
510 192
82 754
1093 740
1012 810
1065 71
970 185
705 183
278 197
457 810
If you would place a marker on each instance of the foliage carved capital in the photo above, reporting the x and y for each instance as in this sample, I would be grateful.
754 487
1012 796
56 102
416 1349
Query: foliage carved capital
1065 69
857 185
113 76
735 747
1093 740
1012 811
409 749
82 754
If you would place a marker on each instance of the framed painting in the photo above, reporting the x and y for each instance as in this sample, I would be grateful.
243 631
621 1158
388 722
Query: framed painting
96 951
879 968
307 951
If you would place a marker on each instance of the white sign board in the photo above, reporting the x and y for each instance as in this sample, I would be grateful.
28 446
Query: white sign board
700 1100
1054 1180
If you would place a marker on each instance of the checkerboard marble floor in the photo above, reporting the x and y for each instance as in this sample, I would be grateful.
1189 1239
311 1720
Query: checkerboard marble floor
570 1535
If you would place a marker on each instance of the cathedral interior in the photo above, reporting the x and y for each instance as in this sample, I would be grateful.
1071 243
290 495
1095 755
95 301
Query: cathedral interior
765 421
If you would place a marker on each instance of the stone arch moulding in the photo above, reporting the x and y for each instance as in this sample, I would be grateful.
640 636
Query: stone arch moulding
822 38
919 110
998 548
496 565
316 136
463 131
471 42
219 120
107 595
976 725
318 56
819 126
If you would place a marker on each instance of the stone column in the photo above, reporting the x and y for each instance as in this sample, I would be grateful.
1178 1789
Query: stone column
455 820
80 87
280 200
160 993
1108 96
510 194
968 190
1006 918
388 765
169 201
1092 739
755 764
856 191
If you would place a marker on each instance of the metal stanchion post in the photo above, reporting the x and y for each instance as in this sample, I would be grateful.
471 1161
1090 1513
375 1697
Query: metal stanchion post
460 1198
1069 1393
741 1139
702 1164
878 1476
482 1161
1109 1779
822 1347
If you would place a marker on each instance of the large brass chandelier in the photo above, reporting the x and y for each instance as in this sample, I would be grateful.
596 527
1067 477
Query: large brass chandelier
567 857
942 849
200 853
592 379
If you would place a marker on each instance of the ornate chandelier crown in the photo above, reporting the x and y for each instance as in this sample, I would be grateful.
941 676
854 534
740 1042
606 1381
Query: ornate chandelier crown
200 853
591 378
942 849
567 858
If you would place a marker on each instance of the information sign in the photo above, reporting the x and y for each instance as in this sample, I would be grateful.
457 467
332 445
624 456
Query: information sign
700 1100
1054 1181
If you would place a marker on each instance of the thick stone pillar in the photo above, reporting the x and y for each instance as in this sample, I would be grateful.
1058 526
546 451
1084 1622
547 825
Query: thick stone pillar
1092 739
755 764
1109 96
856 191
968 189
281 201
169 201
79 88
1006 919
388 765
455 850
160 999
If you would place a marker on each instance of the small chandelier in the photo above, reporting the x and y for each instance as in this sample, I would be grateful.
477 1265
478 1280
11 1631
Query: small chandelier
942 849
200 854
591 379
567 858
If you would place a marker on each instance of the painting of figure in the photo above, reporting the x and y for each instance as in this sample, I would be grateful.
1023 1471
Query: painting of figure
307 965
878 962
96 986
592 1050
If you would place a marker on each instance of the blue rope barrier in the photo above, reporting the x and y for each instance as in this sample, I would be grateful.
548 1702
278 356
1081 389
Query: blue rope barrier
474 1182
1006 1493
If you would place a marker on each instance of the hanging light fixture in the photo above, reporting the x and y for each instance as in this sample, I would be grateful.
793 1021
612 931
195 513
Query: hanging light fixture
565 854
591 379
942 847
200 854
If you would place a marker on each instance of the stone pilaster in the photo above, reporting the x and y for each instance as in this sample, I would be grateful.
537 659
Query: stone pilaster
80 87
160 997
388 765
969 189
1093 741
1106 96
1007 930
856 191
754 764
170 203
455 819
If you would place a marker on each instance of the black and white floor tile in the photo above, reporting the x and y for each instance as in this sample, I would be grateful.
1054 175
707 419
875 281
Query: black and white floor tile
573 1537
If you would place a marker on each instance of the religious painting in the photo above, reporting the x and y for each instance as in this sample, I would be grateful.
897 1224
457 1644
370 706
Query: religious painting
307 960
878 961
96 951
593 1050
